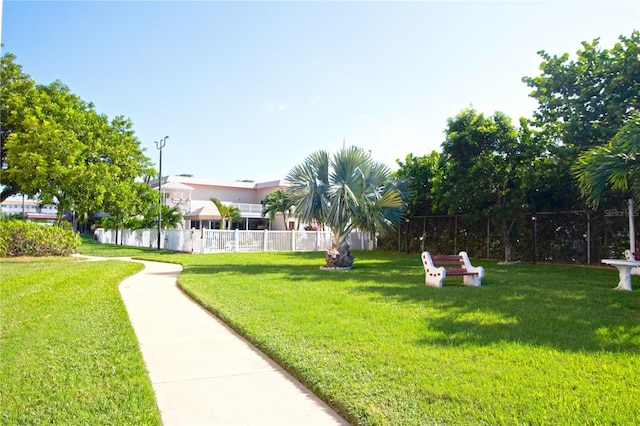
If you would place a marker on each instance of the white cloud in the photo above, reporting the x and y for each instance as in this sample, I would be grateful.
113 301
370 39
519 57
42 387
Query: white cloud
317 99
276 107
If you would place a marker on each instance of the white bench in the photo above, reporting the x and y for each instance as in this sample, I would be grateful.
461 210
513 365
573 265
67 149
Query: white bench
624 269
438 267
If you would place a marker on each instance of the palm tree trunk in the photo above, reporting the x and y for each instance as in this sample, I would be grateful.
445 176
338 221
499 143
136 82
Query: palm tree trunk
339 255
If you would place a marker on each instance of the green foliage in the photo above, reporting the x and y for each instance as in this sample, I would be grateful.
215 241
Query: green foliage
616 164
69 353
25 238
228 212
484 164
170 218
277 201
17 91
419 173
582 104
347 191
60 150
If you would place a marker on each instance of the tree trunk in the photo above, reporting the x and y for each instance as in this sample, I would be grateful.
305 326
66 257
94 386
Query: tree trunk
339 255
506 230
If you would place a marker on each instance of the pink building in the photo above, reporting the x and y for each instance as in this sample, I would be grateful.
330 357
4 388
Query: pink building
192 196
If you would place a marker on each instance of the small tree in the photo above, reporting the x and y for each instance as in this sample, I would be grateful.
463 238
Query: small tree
228 212
277 201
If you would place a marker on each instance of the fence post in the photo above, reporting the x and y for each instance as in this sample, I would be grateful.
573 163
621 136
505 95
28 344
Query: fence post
588 239
265 240
317 240
488 238
236 236
293 240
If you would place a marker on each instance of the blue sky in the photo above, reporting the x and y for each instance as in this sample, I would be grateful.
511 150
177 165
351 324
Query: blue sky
246 90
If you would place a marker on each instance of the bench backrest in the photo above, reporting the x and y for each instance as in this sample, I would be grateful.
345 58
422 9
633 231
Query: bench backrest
632 255
447 260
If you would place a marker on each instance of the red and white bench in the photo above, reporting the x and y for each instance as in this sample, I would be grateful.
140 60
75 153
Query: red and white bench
439 266
633 256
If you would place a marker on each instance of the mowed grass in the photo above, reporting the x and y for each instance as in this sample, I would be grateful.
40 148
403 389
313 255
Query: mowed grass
90 247
68 354
545 344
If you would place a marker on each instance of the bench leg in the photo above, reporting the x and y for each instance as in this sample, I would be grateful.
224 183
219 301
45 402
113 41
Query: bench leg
471 280
625 279
434 281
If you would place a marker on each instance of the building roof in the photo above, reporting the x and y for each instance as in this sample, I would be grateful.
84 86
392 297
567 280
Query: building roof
176 186
189 180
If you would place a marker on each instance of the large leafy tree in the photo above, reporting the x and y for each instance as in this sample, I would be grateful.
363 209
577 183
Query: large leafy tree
346 191
582 104
59 150
16 97
228 212
484 164
275 202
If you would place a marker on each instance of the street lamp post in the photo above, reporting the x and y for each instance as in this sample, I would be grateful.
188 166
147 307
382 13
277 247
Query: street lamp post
160 144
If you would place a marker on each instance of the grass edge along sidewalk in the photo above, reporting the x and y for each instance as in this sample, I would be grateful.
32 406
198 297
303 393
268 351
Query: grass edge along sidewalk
545 344
69 353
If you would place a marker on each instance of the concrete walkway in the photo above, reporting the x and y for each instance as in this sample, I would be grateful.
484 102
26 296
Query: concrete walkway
202 372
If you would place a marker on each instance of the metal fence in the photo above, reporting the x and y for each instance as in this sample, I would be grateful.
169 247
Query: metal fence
216 241
581 237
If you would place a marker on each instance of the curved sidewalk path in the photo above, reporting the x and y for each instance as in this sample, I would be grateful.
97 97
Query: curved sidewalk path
202 372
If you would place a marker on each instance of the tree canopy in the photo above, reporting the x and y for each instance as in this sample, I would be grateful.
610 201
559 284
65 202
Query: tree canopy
419 173
483 166
58 149
228 212
277 201
582 104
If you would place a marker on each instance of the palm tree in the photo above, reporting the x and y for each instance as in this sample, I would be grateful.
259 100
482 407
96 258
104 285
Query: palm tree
227 212
346 192
616 165
277 201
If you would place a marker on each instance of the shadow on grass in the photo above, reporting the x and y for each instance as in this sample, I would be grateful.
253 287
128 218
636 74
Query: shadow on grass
568 308
564 307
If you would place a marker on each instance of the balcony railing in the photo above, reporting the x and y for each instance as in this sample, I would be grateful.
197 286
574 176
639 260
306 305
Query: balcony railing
249 210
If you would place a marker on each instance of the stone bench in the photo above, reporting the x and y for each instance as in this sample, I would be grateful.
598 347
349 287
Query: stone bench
438 267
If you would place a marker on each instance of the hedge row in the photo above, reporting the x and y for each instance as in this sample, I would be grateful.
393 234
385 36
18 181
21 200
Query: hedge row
24 238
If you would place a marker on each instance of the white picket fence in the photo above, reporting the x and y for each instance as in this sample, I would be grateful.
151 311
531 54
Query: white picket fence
215 240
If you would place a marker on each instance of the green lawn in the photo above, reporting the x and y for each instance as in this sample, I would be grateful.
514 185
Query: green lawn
545 344
69 355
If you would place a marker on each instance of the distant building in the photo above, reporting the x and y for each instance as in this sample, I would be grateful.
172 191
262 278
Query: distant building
192 196
29 209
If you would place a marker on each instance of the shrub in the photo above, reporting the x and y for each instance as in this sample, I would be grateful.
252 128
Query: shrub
23 238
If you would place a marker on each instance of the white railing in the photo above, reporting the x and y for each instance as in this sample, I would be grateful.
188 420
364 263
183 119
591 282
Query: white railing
249 210
217 241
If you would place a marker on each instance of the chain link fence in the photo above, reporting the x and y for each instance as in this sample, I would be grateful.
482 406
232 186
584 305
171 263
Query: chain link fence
581 237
